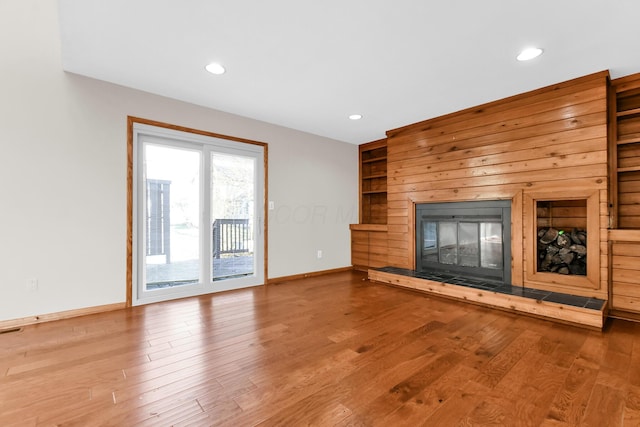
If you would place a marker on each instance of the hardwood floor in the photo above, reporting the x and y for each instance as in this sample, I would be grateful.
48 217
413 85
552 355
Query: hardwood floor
328 350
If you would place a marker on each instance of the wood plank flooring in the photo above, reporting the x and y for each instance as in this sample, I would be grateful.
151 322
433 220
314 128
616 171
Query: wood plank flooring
329 350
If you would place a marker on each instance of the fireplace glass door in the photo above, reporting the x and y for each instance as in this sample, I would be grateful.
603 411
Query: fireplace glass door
468 244
465 238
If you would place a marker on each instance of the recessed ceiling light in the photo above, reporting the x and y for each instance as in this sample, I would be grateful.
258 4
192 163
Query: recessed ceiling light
355 117
529 53
215 68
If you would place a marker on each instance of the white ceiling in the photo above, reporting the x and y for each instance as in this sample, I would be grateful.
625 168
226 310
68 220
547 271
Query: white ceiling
308 64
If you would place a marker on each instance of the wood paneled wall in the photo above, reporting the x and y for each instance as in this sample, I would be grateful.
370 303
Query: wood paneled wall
549 140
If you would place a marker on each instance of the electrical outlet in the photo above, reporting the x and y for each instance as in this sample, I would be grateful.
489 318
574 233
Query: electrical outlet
32 285
319 254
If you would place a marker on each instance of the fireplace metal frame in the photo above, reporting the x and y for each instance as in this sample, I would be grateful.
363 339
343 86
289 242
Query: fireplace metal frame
476 212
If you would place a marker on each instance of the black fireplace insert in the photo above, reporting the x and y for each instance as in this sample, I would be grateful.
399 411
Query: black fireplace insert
470 239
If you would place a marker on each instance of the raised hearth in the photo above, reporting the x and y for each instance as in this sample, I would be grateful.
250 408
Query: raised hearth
578 310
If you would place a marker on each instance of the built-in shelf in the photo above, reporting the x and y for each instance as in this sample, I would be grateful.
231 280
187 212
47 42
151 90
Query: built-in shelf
628 141
629 169
624 191
380 175
369 238
626 113
373 182
624 152
369 227
376 159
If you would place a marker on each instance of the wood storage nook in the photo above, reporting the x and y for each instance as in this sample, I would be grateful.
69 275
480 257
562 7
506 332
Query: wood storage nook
570 222
562 248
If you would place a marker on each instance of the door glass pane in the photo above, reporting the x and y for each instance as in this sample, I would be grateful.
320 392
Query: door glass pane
468 244
430 243
232 215
172 200
491 241
448 243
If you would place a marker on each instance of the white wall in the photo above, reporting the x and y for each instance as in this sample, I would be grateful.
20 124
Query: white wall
63 176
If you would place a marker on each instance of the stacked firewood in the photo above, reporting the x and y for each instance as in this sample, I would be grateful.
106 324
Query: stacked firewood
563 252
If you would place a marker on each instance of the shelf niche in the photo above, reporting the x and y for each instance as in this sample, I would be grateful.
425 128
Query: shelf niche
624 150
373 182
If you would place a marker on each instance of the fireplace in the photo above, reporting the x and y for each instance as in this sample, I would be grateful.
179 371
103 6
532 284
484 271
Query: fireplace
471 239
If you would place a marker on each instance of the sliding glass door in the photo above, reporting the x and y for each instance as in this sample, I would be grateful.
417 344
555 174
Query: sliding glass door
198 214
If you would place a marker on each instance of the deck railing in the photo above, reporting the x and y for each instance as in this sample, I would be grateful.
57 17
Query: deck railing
231 236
